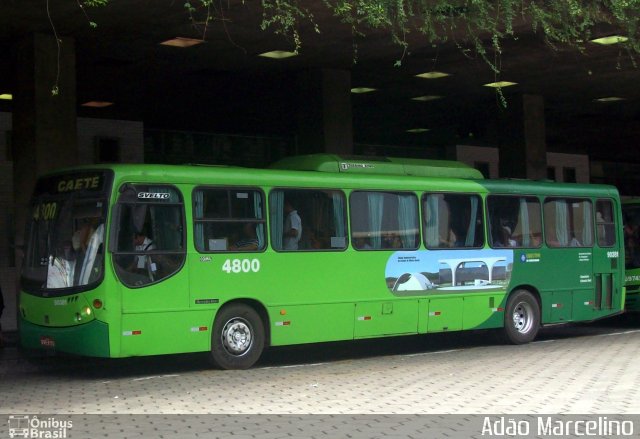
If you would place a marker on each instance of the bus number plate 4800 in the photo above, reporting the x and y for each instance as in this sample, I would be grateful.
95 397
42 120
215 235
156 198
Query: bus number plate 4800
47 342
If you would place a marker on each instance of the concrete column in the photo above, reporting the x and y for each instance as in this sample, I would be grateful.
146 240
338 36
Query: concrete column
519 133
44 126
325 121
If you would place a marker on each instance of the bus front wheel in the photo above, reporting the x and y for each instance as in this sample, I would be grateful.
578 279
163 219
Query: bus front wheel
237 339
521 318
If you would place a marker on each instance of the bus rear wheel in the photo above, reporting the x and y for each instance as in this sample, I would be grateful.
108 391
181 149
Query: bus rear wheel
521 317
237 340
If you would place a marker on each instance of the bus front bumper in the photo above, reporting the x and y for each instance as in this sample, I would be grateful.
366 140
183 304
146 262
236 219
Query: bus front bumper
89 339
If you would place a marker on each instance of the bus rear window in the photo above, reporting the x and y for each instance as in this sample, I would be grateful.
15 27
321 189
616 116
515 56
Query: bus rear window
605 224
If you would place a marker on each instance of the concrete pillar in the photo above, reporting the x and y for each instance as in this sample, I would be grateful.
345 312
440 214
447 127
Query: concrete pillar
44 126
519 132
325 121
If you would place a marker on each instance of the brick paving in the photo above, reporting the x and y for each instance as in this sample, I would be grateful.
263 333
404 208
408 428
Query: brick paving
591 371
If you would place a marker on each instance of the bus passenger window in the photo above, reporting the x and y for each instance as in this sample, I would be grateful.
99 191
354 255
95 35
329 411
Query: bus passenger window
514 221
229 220
149 243
452 221
307 220
384 220
568 222
605 223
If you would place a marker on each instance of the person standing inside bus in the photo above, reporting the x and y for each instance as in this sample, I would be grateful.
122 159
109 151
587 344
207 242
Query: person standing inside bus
292 227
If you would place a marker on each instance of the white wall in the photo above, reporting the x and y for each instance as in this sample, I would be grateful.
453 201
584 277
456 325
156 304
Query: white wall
473 154
580 162
559 161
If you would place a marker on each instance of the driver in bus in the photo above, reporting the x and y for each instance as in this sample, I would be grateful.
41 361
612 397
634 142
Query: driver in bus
142 263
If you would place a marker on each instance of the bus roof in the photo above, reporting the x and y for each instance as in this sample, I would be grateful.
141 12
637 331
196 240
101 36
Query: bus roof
319 170
378 165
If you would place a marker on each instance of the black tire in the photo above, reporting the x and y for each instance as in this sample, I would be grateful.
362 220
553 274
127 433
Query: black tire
521 317
237 339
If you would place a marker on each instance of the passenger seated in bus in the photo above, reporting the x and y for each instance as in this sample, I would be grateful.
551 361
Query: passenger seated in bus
505 239
248 241
362 243
536 240
574 241
391 240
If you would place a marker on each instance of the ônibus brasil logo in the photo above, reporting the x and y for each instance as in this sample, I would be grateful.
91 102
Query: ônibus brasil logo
33 427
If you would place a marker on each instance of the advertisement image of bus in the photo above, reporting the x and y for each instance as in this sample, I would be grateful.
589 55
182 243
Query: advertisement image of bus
131 260
631 221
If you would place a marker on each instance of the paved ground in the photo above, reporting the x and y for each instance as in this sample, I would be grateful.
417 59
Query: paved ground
583 369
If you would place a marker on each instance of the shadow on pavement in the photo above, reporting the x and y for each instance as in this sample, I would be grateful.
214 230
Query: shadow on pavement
14 360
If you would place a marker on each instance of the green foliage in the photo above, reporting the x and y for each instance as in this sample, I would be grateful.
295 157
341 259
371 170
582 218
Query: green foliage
478 25
95 3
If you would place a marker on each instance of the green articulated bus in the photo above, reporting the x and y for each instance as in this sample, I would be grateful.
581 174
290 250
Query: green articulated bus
129 260
631 220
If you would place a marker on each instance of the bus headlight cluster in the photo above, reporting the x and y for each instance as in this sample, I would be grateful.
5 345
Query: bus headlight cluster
86 312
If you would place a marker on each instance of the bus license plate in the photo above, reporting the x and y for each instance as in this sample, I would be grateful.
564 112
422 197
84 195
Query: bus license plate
47 342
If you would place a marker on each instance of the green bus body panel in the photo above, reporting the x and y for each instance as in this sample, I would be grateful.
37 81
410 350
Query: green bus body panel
445 314
154 333
58 311
311 323
632 304
632 275
484 311
319 296
389 317
90 339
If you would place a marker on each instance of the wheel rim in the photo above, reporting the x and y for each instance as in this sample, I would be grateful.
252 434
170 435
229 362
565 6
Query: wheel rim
523 317
237 337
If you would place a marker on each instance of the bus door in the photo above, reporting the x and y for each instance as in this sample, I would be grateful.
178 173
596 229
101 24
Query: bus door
148 246
607 259
569 235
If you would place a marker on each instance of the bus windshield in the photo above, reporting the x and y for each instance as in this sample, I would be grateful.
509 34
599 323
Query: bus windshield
65 233
631 215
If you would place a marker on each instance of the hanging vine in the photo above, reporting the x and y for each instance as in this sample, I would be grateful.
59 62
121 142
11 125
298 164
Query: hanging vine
566 22
478 26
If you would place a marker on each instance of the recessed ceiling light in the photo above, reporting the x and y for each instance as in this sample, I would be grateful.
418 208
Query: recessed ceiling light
359 90
500 84
610 99
612 39
182 42
6 96
278 54
426 98
417 130
97 104
432 75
